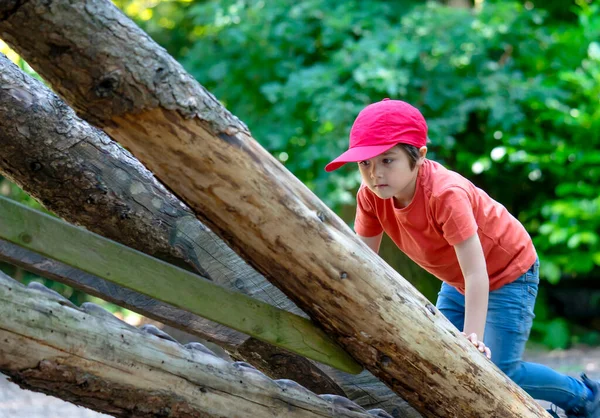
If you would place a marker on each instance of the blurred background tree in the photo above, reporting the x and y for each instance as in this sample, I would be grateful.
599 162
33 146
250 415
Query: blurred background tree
510 91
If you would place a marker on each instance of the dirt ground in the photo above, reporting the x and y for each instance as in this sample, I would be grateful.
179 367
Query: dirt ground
17 403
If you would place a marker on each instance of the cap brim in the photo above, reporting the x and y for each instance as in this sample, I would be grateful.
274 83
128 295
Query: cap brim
357 154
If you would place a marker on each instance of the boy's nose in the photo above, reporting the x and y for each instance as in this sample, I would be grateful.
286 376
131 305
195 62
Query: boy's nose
375 173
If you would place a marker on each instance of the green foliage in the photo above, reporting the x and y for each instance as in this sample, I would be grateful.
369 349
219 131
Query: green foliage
13 56
14 192
510 95
554 333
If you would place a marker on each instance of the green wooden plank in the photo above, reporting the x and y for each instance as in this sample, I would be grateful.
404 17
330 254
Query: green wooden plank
129 268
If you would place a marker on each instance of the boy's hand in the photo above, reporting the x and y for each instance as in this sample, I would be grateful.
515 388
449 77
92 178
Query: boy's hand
479 344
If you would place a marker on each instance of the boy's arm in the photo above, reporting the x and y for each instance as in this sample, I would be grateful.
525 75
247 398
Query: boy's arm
372 242
477 289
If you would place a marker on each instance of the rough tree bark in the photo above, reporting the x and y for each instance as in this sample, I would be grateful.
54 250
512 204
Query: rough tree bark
116 76
87 356
78 172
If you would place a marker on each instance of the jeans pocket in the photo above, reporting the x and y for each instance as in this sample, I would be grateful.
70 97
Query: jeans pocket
532 290
532 276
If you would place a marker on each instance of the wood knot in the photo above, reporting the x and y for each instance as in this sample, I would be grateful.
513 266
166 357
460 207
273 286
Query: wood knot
160 74
26 238
430 308
108 84
35 166
385 361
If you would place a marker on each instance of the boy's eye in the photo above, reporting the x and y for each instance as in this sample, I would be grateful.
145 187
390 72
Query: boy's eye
387 160
363 163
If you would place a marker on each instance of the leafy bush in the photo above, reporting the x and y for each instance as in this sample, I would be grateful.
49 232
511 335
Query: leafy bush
510 102
510 93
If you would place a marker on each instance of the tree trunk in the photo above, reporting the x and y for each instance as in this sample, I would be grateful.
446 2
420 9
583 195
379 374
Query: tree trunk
115 75
90 358
79 173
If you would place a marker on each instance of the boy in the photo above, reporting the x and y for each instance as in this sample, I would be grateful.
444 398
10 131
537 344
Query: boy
454 230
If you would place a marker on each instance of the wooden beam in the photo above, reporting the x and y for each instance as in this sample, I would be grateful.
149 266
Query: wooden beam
114 75
86 356
132 269
127 298
275 362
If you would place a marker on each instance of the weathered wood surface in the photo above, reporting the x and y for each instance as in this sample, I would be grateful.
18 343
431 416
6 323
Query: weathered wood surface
78 172
116 76
275 361
57 177
88 357
95 286
134 270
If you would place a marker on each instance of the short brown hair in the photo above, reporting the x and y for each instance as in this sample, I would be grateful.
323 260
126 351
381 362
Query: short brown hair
412 152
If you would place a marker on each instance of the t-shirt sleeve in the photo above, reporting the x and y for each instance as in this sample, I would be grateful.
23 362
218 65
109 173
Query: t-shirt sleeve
366 223
455 215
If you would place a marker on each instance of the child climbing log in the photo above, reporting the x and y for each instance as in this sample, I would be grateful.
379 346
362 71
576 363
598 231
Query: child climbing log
143 99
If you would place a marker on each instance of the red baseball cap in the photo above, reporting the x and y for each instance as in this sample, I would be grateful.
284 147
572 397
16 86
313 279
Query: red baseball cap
379 127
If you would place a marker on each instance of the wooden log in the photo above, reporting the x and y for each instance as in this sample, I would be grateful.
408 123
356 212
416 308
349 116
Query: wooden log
116 76
86 356
95 286
276 362
134 270
78 172
60 178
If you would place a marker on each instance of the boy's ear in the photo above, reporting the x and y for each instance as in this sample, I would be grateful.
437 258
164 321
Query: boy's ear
422 153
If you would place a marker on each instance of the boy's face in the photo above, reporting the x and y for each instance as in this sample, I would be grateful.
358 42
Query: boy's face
390 174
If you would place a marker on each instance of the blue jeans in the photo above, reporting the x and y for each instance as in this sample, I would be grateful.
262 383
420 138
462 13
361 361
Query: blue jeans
509 319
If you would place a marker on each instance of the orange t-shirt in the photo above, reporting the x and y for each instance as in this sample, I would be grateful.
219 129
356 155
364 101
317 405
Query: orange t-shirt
445 210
